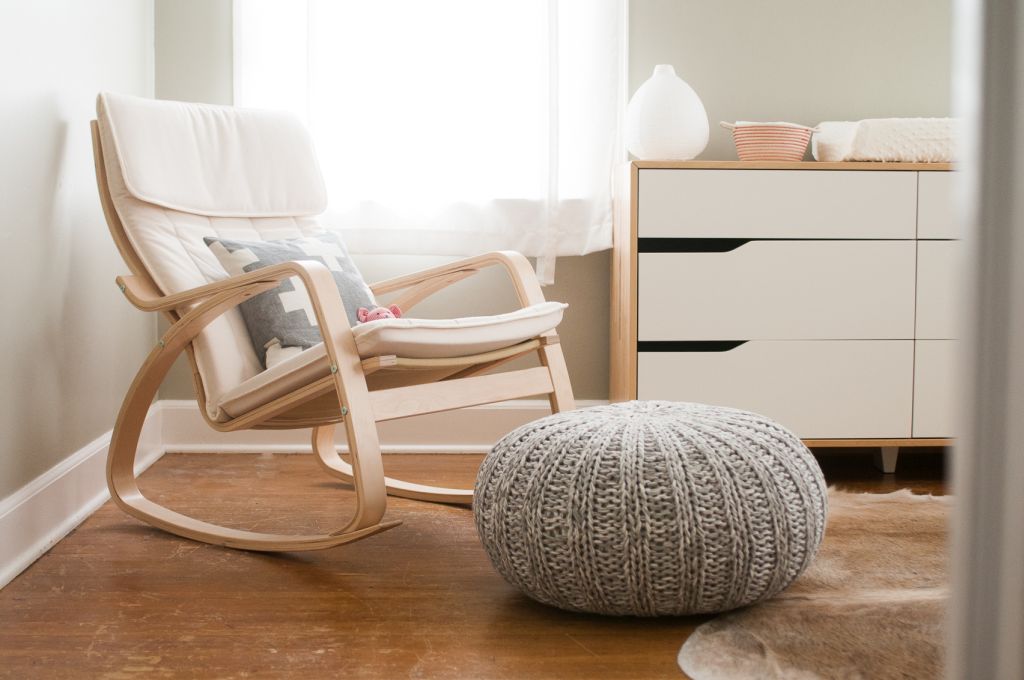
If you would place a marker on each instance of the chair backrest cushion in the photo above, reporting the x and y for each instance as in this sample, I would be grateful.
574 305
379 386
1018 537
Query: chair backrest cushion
216 161
178 173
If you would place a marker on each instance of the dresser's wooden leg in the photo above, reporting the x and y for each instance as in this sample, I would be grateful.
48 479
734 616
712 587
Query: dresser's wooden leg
885 458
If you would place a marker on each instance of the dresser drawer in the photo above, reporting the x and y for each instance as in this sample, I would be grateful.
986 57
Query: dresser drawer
935 389
776 204
936 207
940 289
779 290
818 389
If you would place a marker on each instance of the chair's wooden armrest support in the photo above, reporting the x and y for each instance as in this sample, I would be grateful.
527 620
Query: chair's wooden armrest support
147 298
429 281
214 299
316 277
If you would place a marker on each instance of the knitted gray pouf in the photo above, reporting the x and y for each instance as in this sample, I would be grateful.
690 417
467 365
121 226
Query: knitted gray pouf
650 508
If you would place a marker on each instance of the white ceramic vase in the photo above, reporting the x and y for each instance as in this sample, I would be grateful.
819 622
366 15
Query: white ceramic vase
666 119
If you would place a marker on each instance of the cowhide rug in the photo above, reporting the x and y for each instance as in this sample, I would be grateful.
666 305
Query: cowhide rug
870 606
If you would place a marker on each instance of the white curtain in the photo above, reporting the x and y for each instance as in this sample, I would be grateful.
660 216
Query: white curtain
450 127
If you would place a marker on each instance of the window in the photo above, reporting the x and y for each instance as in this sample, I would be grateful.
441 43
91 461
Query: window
450 127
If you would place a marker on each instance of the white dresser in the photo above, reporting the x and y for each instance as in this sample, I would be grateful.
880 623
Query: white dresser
823 295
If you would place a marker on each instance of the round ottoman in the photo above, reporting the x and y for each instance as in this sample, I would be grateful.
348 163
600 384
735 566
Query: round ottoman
650 508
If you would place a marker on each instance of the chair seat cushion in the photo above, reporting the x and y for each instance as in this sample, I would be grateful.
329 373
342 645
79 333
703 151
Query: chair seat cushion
441 338
292 368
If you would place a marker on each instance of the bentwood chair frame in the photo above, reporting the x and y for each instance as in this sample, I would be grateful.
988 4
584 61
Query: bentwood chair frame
350 394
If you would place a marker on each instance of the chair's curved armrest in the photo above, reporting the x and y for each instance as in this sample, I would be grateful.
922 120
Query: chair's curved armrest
316 277
518 267
215 298
146 297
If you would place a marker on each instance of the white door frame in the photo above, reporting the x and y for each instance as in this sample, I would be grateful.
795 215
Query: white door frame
986 623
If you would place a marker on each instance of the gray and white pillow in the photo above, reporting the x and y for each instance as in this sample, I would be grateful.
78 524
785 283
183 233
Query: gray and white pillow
283 318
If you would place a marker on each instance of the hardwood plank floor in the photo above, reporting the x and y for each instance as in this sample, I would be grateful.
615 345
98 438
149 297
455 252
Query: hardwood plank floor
117 599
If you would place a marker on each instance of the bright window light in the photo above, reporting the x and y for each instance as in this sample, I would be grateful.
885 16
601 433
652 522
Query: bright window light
449 126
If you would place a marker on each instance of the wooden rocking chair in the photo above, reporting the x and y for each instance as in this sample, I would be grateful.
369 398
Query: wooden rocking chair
171 173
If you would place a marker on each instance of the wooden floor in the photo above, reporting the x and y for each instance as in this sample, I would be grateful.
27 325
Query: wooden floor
117 599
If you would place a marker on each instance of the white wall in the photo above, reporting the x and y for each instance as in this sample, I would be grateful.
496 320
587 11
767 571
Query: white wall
70 342
802 61
194 50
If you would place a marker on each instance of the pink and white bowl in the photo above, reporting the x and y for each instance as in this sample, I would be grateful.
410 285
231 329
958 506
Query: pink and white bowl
769 141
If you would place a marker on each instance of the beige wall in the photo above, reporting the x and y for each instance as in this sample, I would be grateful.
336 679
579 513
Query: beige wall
71 343
194 50
797 60
802 61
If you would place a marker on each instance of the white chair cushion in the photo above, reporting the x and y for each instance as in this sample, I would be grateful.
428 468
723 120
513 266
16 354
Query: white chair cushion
244 162
440 338
409 338
169 242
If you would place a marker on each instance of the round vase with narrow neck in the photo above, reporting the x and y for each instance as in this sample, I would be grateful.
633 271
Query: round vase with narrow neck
666 119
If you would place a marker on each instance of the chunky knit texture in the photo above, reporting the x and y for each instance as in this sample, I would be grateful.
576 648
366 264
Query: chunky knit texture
650 508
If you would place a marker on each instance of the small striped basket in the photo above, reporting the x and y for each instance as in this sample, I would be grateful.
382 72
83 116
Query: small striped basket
769 141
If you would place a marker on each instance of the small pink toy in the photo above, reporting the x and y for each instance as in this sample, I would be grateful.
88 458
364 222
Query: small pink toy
392 312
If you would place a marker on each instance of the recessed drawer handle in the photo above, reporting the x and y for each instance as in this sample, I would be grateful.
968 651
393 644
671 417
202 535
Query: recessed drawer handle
690 245
688 345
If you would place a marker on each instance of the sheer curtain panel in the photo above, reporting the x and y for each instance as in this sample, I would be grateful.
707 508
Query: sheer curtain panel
450 127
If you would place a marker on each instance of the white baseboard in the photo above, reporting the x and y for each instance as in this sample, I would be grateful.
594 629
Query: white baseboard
45 510
34 518
469 430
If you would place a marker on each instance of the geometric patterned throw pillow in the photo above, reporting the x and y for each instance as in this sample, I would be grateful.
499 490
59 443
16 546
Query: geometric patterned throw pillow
281 322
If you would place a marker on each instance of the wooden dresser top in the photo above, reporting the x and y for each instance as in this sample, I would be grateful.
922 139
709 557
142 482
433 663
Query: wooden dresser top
777 165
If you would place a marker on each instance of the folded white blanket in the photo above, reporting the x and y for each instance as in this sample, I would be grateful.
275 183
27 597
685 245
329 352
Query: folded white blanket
912 140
